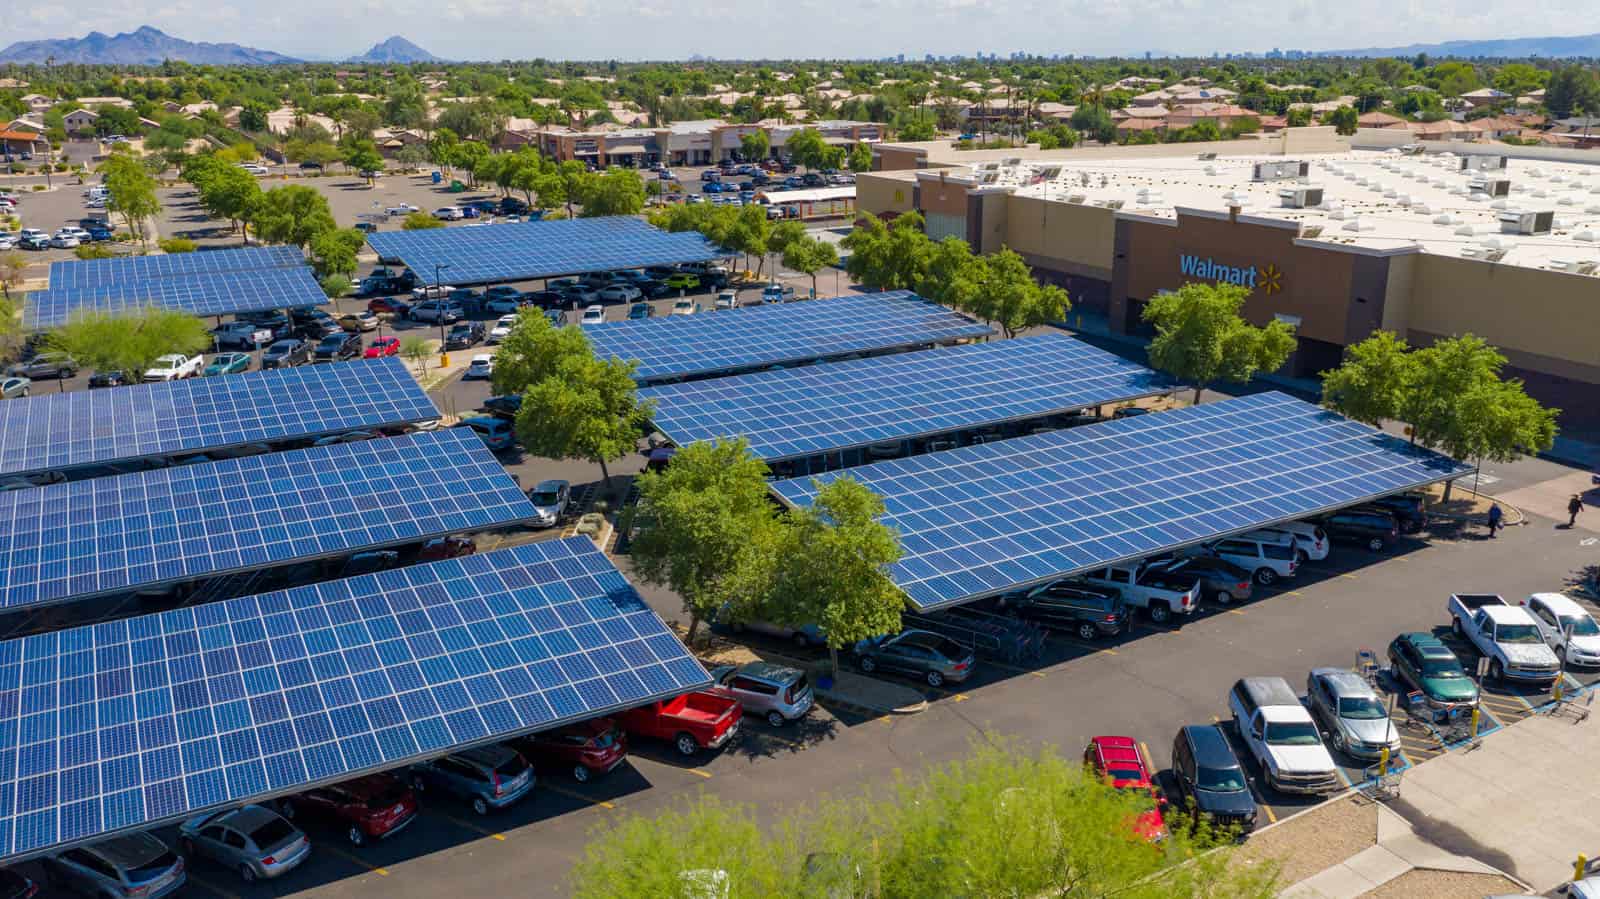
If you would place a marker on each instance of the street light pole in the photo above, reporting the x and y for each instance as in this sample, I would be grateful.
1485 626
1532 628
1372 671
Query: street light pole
444 357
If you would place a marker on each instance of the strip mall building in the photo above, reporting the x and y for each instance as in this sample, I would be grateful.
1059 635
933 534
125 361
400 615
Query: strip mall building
1336 242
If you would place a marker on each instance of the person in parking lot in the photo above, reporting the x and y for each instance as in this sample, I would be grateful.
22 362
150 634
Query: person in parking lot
1495 516
1574 506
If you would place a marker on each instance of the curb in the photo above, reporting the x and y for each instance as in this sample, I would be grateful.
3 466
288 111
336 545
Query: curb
837 699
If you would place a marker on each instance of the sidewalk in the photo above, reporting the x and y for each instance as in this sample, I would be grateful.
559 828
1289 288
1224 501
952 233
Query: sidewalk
1398 853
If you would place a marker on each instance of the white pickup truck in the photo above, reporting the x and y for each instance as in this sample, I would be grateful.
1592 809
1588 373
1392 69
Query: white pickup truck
175 366
1282 736
1159 592
1507 635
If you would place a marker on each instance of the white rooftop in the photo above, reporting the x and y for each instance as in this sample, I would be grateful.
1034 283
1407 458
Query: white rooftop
1371 201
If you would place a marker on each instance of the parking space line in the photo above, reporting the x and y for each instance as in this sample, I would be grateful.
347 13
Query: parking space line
571 794
225 894
469 825
1347 574
699 773
1235 611
1272 818
349 857
1294 592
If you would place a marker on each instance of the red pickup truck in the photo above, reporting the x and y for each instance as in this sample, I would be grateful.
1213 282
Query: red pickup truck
693 721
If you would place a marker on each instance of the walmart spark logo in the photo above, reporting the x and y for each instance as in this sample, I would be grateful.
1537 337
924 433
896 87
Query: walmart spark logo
1271 279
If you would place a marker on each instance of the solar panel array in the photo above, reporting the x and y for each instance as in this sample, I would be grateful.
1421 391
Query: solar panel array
756 336
102 272
217 293
54 431
803 411
987 519
132 723
518 251
70 541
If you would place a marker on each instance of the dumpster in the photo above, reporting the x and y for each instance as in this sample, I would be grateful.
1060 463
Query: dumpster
437 177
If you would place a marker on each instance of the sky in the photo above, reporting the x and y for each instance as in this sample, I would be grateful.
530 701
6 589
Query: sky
661 29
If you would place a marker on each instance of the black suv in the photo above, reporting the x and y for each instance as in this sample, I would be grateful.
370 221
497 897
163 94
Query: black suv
285 353
1409 510
1085 611
336 347
1211 783
463 335
1375 528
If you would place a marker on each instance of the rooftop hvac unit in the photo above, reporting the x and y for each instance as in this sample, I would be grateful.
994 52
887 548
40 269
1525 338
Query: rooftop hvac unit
1485 164
1493 187
1585 267
1279 171
1300 197
1445 219
1517 222
1311 232
1493 255
1076 198
1207 157
1587 236
1114 204
1412 149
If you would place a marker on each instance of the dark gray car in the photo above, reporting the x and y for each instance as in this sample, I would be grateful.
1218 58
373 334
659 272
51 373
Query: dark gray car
924 655
136 865
487 777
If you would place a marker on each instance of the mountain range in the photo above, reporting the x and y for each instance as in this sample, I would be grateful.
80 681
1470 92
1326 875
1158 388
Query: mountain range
151 46
1512 47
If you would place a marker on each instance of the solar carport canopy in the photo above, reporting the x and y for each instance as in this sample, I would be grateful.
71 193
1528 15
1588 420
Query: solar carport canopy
989 519
485 254
750 337
59 431
71 541
102 272
203 294
138 722
814 409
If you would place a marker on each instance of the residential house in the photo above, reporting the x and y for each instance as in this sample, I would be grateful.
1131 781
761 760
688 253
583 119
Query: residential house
37 102
1376 119
1485 96
103 102
80 121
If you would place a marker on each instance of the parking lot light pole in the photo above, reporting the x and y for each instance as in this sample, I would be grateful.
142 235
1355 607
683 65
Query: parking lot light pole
444 357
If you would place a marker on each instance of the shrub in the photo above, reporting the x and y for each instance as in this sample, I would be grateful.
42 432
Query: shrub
92 251
336 286
176 245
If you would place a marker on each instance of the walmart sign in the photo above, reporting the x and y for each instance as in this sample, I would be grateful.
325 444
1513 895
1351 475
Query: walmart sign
1269 278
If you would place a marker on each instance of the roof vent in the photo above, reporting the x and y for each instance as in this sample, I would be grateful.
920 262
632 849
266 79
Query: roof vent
1445 219
1493 187
1558 178
1585 267
1114 204
1494 255
1300 197
1358 225
1421 209
1587 236
1519 222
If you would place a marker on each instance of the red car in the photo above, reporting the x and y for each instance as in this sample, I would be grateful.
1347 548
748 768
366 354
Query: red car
1122 761
692 722
369 808
383 346
591 748
446 548
394 307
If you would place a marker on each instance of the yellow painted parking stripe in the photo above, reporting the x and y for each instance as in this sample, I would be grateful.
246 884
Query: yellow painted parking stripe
1272 817
1235 611
959 697
570 794
1294 592
469 825
354 859
699 773
1347 574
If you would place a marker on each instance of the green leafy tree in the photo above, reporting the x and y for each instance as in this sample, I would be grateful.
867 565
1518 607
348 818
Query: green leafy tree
336 286
333 251
225 191
1344 120
888 257
363 156
617 192
952 275
1200 336
1298 116
419 221
480 119
698 520
746 231
412 156
860 157
808 148
917 130
129 343
754 145
416 349
1094 121
658 856
469 156
1373 382
253 117
590 410
809 256
133 192
1571 89
534 351
575 180
1006 293
442 148
293 214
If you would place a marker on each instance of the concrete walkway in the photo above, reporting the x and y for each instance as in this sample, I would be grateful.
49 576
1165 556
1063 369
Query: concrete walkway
868 694
1520 805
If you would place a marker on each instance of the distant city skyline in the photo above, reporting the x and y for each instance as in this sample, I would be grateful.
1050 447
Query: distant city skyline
875 29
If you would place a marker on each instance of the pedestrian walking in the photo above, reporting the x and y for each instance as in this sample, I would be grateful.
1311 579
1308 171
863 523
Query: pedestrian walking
1574 506
1495 518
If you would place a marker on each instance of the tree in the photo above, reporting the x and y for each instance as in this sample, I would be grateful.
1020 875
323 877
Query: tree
810 255
617 192
412 156
952 275
253 117
293 214
832 568
916 131
1373 382
1344 120
336 286
534 351
698 519
1458 403
589 409
754 145
1093 121
1298 116
480 119
133 192
808 148
1570 89
442 148
129 343
333 251
363 156
746 231
415 349
419 221
860 157
225 191
642 857
1006 293
1201 338
888 257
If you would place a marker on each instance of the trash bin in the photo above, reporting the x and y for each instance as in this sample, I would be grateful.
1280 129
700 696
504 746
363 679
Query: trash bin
438 178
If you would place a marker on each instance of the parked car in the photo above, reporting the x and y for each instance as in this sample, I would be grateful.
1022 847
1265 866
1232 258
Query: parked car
487 777
1310 540
777 293
594 315
109 379
1221 581
286 353
1279 732
1122 762
503 305
448 214
435 311
337 347
480 368
227 364
496 433
685 307
319 328
463 335
1507 634
683 281
240 335
45 365
504 406
502 328
133 866
358 321
62 240
544 299
1351 713
15 387
1267 555
466 299
175 367
389 306
374 807
551 500
1420 662
1089 612
1566 628
924 655
691 721
255 841
1374 529
640 311
1211 783
619 293
586 750
382 346
452 547
775 692
806 636
1409 509
1162 594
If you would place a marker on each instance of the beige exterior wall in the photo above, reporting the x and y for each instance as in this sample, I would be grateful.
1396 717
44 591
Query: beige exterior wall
881 193
1543 321
1397 293
1316 139
1067 237
890 159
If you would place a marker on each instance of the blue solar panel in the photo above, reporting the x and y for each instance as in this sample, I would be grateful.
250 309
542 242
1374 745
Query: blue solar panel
757 336
987 519
515 252
217 293
803 411
129 724
102 272
127 532
55 431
